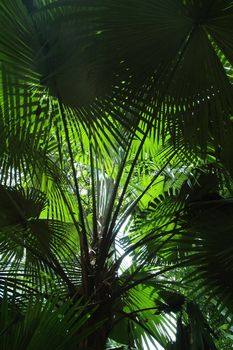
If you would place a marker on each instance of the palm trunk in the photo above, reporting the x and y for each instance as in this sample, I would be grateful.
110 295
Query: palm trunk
101 319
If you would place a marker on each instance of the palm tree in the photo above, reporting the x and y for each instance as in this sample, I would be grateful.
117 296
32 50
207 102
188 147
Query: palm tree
116 174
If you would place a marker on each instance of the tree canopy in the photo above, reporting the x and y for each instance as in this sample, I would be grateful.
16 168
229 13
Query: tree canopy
116 165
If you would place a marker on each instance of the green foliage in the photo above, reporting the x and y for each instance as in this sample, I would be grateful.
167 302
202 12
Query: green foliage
42 324
116 174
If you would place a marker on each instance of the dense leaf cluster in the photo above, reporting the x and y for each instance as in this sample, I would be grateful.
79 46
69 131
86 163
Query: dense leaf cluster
116 165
